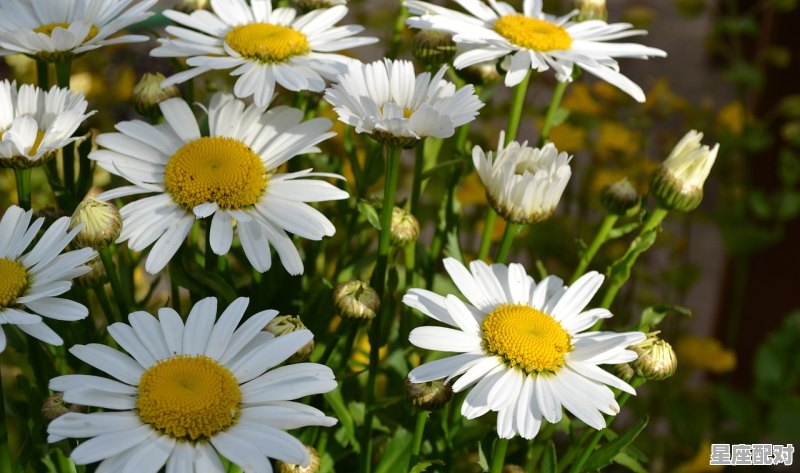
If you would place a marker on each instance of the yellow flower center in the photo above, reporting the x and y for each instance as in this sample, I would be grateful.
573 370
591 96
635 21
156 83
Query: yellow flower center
530 33
48 30
213 169
13 282
267 43
189 397
526 338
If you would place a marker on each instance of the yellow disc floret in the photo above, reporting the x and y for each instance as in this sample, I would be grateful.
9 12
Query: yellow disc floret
13 282
214 169
531 33
267 43
189 397
49 28
526 338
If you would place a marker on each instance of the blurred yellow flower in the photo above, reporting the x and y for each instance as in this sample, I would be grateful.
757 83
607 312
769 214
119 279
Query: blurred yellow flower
360 356
661 100
731 117
608 92
699 462
705 354
579 100
616 138
569 138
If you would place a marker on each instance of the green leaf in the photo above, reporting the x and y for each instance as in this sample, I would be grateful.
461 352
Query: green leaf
621 268
789 205
208 279
370 214
761 205
336 402
482 462
424 465
395 456
629 462
789 168
549 462
652 316
605 455
453 246
623 230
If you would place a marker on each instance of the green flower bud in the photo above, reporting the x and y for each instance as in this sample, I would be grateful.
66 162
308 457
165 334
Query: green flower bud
284 324
96 277
433 48
620 198
308 5
356 300
55 407
483 73
148 94
657 359
313 465
678 183
429 396
591 10
101 221
405 227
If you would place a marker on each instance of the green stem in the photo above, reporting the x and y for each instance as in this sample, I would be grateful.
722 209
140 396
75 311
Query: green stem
416 187
116 287
652 222
352 156
379 284
551 112
63 73
508 237
100 292
601 237
419 433
23 187
516 108
348 346
597 435
397 32
486 238
499 455
43 74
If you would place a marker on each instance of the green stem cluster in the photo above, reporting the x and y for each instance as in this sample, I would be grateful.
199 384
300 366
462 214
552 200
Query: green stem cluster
599 239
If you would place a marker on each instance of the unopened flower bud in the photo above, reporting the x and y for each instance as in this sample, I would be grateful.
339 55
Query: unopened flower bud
95 277
656 359
55 407
429 396
591 10
405 227
678 183
356 300
189 6
101 221
510 468
284 324
313 465
308 5
623 371
483 73
148 94
620 198
433 48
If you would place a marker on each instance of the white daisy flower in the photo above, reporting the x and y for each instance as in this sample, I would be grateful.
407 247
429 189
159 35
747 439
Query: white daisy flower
387 100
525 346
191 392
34 124
264 46
523 184
534 40
30 281
231 174
53 30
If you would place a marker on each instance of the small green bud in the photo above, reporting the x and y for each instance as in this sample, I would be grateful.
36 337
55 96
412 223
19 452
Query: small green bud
356 300
433 48
285 324
101 221
148 94
657 359
405 227
678 183
430 396
591 10
620 198
313 465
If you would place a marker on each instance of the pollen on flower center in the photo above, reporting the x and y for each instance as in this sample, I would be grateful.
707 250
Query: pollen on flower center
526 338
267 43
189 397
48 29
531 33
13 282
214 169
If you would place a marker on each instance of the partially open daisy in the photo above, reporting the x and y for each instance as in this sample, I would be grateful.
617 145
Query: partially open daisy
534 40
523 184
35 124
230 175
30 281
525 346
387 100
54 30
190 392
264 46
